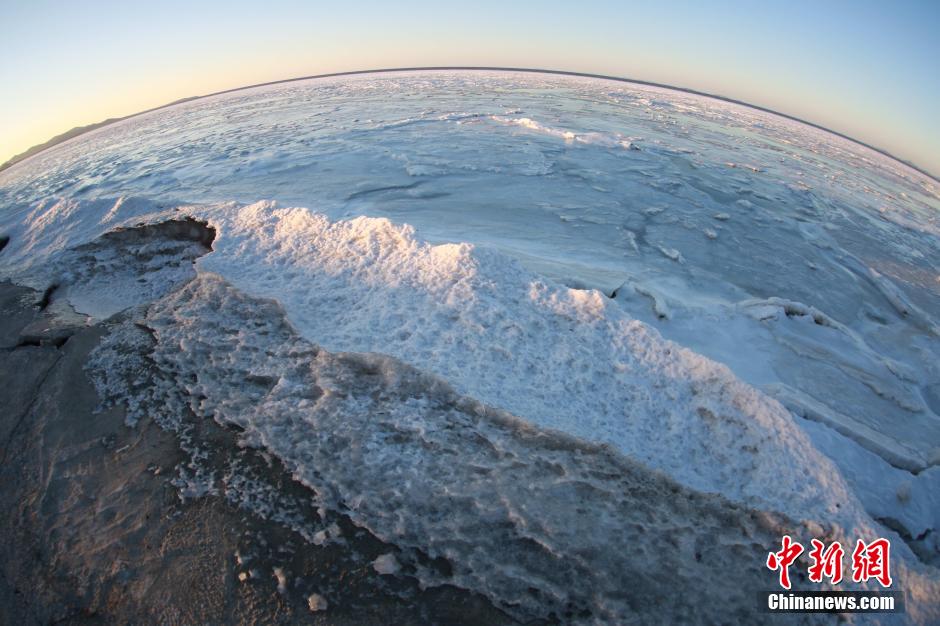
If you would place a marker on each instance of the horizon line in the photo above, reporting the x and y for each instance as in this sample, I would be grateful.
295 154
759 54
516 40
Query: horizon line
12 162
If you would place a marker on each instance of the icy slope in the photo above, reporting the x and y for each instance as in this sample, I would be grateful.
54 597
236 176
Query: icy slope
566 359
563 358
521 354
540 522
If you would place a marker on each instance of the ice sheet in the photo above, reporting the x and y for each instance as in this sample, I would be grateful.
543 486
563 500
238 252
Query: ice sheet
539 522
717 205
803 262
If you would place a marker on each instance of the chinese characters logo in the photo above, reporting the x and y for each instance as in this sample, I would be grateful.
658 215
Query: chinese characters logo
869 561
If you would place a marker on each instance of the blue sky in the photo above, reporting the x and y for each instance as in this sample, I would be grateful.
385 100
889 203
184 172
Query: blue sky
868 69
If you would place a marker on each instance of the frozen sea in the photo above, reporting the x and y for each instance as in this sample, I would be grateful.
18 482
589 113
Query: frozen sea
743 303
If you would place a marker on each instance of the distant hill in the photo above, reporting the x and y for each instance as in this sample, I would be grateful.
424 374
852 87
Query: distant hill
81 130
75 132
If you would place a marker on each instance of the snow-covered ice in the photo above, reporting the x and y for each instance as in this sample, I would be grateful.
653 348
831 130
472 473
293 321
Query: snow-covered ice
538 521
748 305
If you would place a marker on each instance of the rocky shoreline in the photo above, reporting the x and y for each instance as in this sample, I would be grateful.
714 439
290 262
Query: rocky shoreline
95 531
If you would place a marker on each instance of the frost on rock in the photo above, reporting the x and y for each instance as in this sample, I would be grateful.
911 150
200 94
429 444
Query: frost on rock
438 473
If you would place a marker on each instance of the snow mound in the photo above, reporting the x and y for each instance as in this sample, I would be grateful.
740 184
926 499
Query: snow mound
477 392
539 522
565 359
571 360
446 479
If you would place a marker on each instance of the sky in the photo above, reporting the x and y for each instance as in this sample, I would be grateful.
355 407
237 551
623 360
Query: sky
870 70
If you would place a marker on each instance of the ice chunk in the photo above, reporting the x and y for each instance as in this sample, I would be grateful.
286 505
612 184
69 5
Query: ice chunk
317 603
386 564
281 579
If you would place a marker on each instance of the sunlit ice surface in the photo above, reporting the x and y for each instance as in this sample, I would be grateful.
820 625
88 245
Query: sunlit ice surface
804 262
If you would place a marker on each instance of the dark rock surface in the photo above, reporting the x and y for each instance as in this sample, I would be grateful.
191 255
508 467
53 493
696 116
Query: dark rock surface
93 530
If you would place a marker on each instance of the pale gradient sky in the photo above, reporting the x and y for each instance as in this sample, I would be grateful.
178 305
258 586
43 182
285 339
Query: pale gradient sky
868 69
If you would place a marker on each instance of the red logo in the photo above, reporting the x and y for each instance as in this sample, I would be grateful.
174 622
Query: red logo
826 562
782 560
872 561
869 561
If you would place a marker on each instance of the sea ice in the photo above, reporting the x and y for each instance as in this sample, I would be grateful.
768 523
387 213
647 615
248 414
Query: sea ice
815 282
